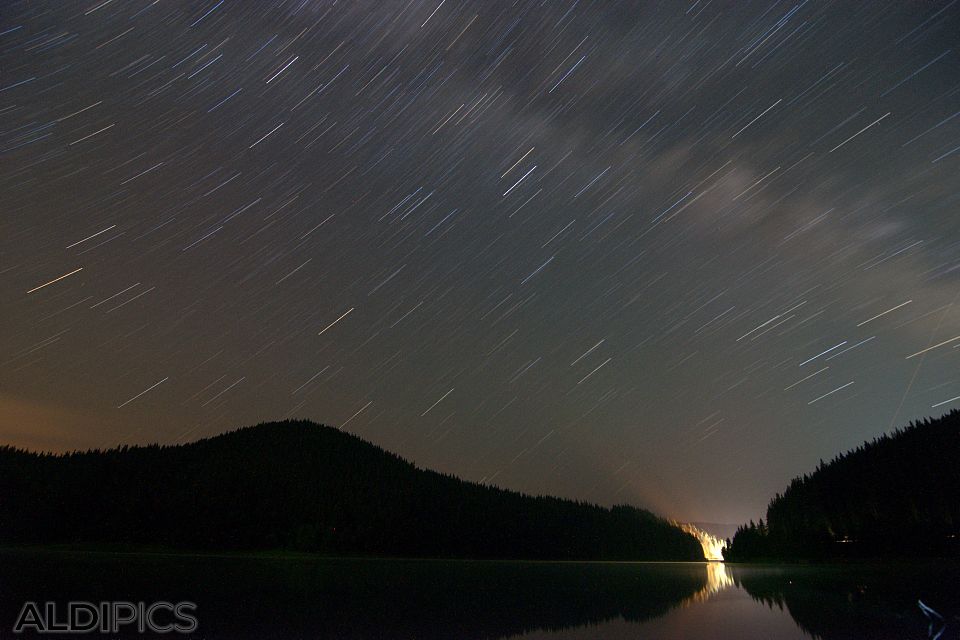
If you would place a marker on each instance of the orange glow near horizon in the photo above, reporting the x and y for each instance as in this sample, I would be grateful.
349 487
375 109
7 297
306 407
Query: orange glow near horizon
712 545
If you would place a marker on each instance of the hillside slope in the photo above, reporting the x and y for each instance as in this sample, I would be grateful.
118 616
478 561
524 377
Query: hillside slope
898 495
306 487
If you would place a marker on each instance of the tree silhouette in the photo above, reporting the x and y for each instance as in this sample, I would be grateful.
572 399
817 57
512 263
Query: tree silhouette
898 495
301 486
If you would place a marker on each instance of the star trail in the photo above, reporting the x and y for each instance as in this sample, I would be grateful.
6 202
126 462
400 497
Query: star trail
670 254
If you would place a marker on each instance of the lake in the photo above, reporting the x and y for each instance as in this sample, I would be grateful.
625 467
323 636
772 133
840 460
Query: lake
240 597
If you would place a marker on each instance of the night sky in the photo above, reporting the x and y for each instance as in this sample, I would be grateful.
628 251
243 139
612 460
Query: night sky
671 254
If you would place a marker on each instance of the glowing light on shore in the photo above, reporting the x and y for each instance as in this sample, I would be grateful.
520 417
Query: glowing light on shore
712 545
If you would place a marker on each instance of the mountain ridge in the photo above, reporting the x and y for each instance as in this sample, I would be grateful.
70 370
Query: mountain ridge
300 486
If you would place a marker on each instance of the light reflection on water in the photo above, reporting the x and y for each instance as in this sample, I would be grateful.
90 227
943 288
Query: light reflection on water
719 610
306 597
717 580
828 602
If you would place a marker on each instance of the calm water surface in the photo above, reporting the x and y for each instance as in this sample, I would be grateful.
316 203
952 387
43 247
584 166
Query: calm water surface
289 598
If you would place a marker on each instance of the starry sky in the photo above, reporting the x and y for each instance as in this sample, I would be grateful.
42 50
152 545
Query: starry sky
670 254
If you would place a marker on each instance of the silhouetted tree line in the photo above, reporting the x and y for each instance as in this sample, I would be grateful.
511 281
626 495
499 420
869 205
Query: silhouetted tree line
301 486
898 495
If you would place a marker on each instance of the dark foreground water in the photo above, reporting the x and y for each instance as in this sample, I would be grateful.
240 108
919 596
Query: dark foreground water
289 598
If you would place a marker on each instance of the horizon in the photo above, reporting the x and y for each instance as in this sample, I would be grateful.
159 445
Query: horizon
662 256
711 528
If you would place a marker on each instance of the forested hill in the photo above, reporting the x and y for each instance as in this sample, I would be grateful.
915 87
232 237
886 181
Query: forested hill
305 487
898 495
